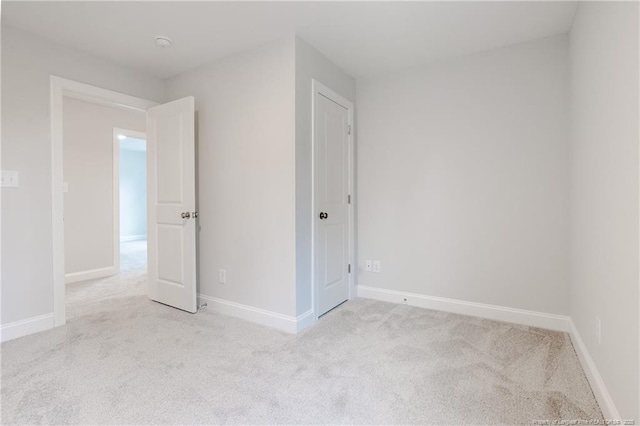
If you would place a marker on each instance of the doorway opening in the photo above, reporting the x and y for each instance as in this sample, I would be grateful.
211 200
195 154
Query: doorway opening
93 187
171 272
130 201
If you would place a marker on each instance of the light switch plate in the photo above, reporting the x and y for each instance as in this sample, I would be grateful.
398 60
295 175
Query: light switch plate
9 179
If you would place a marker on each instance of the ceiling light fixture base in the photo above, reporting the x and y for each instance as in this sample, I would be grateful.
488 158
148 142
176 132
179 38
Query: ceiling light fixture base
163 41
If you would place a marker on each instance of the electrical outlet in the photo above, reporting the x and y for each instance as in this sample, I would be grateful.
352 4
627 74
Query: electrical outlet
376 266
368 266
9 179
222 276
598 330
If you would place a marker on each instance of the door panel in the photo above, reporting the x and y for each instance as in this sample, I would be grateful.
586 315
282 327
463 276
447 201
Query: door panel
331 189
335 255
169 159
171 192
170 262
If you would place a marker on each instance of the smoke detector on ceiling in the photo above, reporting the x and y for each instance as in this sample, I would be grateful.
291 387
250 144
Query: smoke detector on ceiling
163 41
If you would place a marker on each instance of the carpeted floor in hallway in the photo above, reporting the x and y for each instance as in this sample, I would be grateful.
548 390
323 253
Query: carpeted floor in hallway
83 297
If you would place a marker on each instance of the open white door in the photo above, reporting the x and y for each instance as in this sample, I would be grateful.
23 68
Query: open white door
171 204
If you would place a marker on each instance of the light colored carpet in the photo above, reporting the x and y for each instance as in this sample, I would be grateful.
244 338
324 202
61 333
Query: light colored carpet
123 359
84 297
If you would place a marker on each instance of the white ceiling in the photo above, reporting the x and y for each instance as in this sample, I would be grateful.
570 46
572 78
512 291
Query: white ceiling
362 38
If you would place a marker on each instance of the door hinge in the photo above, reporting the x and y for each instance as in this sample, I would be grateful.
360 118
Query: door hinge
349 129
349 199
349 268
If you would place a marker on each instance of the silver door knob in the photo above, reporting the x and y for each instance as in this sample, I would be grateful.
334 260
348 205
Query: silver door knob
185 215
194 215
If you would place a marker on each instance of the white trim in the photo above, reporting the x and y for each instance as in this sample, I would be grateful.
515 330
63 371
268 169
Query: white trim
91 274
25 327
57 201
60 87
128 238
116 192
97 95
321 89
115 202
638 241
286 323
462 307
609 410
305 320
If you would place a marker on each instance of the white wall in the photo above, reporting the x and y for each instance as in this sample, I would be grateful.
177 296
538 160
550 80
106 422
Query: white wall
246 175
463 178
604 193
88 171
254 146
27 62
133 192
310 64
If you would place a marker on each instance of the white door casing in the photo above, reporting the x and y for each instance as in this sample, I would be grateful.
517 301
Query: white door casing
333 239
172 204
59 88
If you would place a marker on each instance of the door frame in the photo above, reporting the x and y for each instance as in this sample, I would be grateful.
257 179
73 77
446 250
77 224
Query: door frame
116 188
60 88
319 89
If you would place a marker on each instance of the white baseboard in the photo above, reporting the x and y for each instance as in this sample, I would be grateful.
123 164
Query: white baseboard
16 329
286 323
128 238
305 320
92 274
494 312
609 410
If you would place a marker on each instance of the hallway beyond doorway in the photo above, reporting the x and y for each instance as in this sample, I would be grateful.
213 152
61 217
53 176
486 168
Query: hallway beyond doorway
101 294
